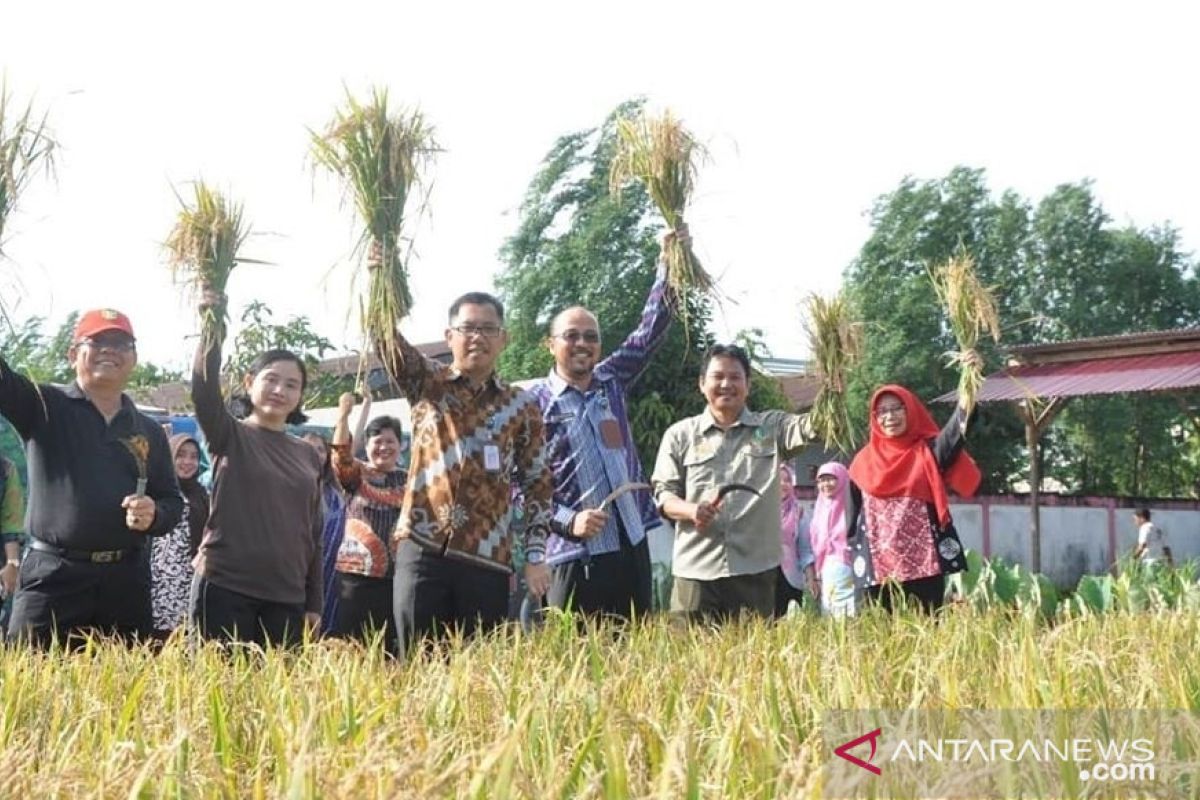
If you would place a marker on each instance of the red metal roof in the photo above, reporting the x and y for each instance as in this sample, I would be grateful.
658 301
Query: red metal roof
1120 339
1144 373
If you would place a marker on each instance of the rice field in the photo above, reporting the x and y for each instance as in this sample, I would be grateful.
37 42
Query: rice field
656 710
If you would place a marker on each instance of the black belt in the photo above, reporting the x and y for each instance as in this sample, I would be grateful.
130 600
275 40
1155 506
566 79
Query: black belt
93 556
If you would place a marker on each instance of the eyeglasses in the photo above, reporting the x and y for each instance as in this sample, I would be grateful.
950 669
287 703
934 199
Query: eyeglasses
111 345
884 411
571 337
486 331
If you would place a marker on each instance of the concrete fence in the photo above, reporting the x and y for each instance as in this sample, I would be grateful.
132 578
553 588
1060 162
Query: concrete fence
1080 535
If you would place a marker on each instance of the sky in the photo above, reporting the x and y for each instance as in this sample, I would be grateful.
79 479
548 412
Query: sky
810 112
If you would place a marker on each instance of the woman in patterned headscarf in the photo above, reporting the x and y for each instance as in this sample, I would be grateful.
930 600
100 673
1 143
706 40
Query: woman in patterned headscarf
171 555
904 536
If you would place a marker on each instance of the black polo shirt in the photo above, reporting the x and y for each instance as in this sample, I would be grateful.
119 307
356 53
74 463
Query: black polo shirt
79 469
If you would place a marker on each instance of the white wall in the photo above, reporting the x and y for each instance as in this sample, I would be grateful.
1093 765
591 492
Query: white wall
1075 539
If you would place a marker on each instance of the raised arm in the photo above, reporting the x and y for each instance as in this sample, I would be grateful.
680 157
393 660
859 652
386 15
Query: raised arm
950 441
21 402
357 442
214 419
629 360
345 465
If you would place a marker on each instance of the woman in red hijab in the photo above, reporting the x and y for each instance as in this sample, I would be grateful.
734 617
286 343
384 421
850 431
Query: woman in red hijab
903 533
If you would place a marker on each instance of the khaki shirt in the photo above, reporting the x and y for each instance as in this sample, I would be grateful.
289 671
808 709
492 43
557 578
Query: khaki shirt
696 458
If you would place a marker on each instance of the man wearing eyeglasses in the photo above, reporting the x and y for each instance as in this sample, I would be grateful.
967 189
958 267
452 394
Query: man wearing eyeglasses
600 557
474 438
101 480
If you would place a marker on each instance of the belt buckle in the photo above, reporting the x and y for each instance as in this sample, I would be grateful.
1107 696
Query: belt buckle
105 556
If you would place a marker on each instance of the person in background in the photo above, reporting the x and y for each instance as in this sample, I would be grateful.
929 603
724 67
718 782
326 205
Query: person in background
1151 547
797 573
375 495
333 527
12 532
171 555
827 535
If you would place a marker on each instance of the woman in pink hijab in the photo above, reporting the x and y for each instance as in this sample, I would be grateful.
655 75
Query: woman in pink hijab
796 573
827 533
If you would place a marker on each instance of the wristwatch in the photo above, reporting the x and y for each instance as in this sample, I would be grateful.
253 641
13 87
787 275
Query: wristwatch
535 558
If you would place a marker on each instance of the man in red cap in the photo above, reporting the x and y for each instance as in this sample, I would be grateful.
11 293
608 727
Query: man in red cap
100 481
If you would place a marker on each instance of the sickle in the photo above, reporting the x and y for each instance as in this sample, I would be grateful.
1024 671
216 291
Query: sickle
735 487
624 488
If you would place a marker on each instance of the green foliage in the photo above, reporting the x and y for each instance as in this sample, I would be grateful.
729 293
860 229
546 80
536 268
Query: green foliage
42 358
576 245
994 583
1062 272
260 333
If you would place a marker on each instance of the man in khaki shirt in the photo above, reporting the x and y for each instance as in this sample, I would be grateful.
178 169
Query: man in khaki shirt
726 552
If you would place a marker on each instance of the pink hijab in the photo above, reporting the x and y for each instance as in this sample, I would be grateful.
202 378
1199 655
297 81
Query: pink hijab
790 512
827 531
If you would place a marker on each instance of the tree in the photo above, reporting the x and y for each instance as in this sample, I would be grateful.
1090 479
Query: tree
258 334
576 245
1062 272
43 358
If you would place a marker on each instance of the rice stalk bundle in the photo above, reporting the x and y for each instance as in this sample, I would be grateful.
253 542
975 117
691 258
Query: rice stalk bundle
971 313
381 159
835 343
663 155
202 250
26 151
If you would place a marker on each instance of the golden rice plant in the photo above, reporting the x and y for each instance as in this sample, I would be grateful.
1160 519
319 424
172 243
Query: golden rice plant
562 712
835 342
26 150
971 312
381 158
202 250
663 155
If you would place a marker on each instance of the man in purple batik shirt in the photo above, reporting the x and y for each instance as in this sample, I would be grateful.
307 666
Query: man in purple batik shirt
599 559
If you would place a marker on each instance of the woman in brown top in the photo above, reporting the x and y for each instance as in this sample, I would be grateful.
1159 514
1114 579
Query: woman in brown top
258 572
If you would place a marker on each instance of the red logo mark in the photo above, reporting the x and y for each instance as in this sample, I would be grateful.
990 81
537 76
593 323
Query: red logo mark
844 751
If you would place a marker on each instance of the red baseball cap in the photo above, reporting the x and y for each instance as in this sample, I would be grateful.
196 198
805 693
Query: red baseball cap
99 320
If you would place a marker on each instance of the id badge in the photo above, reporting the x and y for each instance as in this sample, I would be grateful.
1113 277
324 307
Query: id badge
491 457
610 434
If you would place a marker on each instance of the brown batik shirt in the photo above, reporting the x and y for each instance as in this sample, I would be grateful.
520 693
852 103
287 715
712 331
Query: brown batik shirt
471 446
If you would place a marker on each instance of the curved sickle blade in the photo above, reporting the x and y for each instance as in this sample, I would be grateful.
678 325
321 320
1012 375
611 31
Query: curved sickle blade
736 487
624 488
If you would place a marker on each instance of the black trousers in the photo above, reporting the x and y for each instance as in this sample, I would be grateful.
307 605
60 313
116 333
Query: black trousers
785 593
616 584
433 594
364 608
725 598
228 616
59 597
927 594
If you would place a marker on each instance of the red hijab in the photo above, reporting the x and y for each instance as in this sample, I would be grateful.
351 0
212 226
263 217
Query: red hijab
904 466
